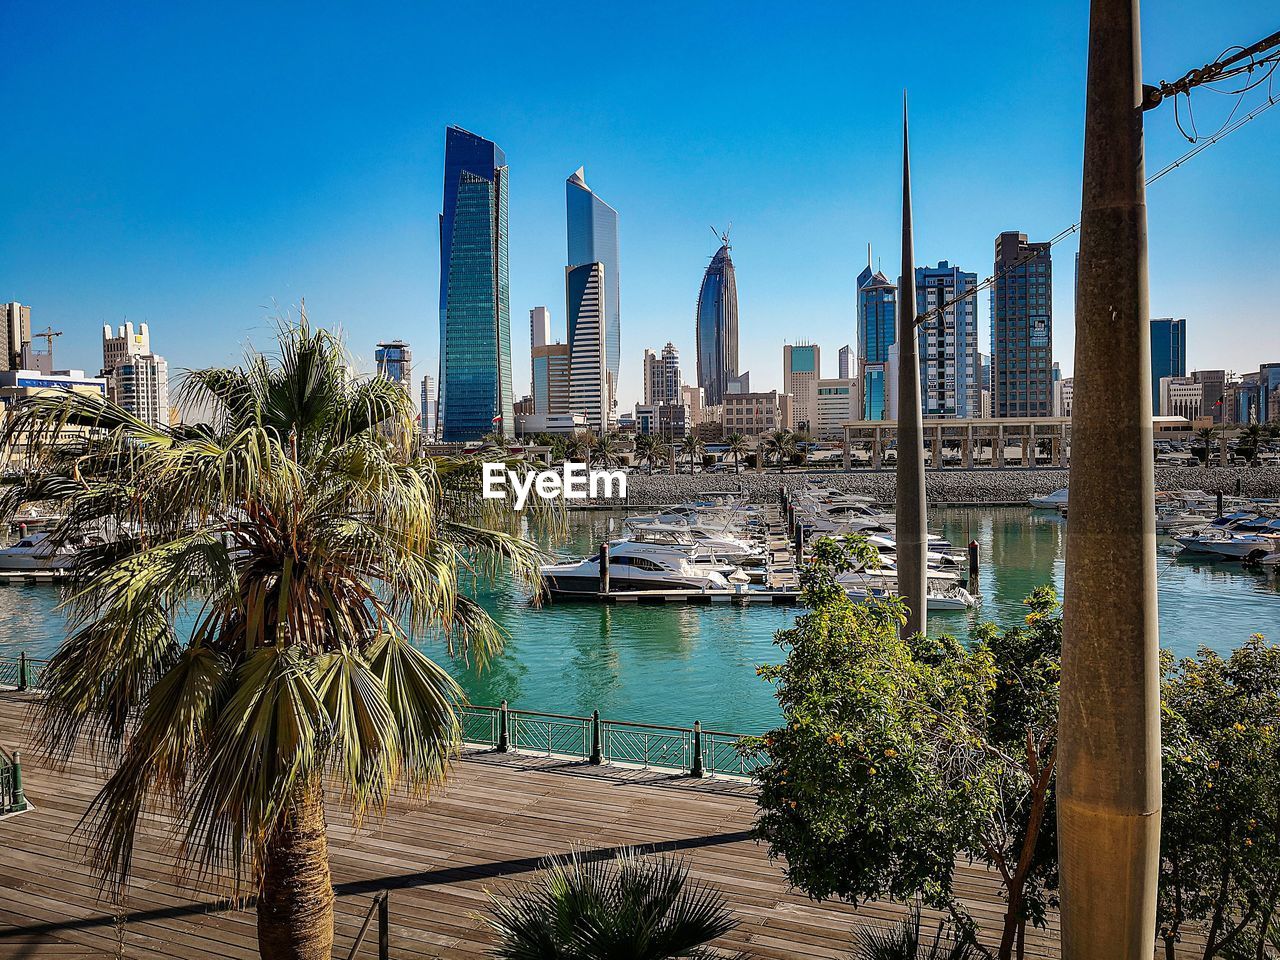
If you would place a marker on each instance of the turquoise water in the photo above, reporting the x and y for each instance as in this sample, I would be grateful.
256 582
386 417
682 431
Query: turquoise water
676 664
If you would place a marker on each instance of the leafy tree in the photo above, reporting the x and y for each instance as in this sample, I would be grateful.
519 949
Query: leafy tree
901 754
1220 830
630 908
738 448
908 940
313 547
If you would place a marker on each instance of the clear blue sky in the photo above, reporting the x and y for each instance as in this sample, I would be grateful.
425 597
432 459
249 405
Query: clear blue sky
192 166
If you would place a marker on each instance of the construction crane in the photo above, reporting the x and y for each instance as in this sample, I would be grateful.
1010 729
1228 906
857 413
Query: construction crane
47 336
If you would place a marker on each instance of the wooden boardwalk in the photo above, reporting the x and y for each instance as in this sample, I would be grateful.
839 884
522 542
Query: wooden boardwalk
499 816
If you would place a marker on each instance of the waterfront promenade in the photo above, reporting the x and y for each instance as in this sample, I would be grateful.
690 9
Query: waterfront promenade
489 827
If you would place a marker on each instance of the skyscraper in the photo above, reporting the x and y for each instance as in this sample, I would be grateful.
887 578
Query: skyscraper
394 360
427 410
877 332
662 378
1022 328
846 362
1168 354
588 372
801 370
475 316
539 327
593 238
716 327
948 344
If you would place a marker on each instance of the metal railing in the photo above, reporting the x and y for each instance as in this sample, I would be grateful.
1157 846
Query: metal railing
12 799
689 750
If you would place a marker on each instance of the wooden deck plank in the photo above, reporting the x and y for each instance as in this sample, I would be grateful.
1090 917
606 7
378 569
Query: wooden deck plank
495 822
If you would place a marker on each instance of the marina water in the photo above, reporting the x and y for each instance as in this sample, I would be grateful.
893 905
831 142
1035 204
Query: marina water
677 663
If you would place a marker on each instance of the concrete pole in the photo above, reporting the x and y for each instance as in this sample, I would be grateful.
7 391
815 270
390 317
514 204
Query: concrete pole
968 446
1109 713
876 449
911 507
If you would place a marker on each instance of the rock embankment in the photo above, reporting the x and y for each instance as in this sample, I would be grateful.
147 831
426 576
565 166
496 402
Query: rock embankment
947 486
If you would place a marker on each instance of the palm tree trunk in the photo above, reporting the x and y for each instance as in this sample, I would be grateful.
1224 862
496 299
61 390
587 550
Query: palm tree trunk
295 905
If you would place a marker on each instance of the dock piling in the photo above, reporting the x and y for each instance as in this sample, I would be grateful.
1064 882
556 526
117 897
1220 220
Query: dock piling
973 566
696 767
604 568
597 754
504 742
22 671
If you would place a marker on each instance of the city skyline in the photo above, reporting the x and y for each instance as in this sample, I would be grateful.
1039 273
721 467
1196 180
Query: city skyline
205 241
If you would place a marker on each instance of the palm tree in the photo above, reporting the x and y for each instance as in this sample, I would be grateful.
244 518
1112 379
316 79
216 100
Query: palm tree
605 450
907 941
692 446
663 452
313 547
1248 440
738 448
780 443
645 444
642 908
1206 437
578 448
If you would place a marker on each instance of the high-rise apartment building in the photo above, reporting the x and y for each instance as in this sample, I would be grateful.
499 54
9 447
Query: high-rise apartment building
846 362
877 332
801 370
662 376
475 315
948 342
15 335
428 407
137 379
1168 353
394 360
588 328
716 327
593 238
1022 328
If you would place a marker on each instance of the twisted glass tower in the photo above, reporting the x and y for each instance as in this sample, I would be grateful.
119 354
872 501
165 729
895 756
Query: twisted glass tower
593 238
475 314
717 327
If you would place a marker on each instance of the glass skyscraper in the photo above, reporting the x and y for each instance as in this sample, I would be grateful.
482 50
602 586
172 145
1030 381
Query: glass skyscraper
593 238
1168 354
877 332
475 315
716 327
1022 328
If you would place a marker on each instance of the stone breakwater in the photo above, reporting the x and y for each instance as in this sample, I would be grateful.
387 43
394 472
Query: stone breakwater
948 486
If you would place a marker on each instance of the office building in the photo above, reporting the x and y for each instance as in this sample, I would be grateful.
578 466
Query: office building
801 370
1179 397
593 238
428 407
846 362
588 373
948 342
1022 328
1064 393
752 414
475 314
716 327
394 362
563 423
662 376
1213 387
15 337
836 404
1168 354
984 385
136 378
551 379
692 397
539 327
877 332
1269 393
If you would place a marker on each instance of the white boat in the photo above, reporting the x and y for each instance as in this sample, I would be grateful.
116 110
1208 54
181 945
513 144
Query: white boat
632 566
36 552
943 594
1051 501
1216 541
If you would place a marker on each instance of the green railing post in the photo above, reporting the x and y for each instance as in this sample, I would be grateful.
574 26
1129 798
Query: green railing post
697 770
19 798
597 755
504 743
22 670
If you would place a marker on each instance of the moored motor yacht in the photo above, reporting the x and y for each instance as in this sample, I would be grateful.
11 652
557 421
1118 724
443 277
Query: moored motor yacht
1217 541
632 566
36 552
1050 501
